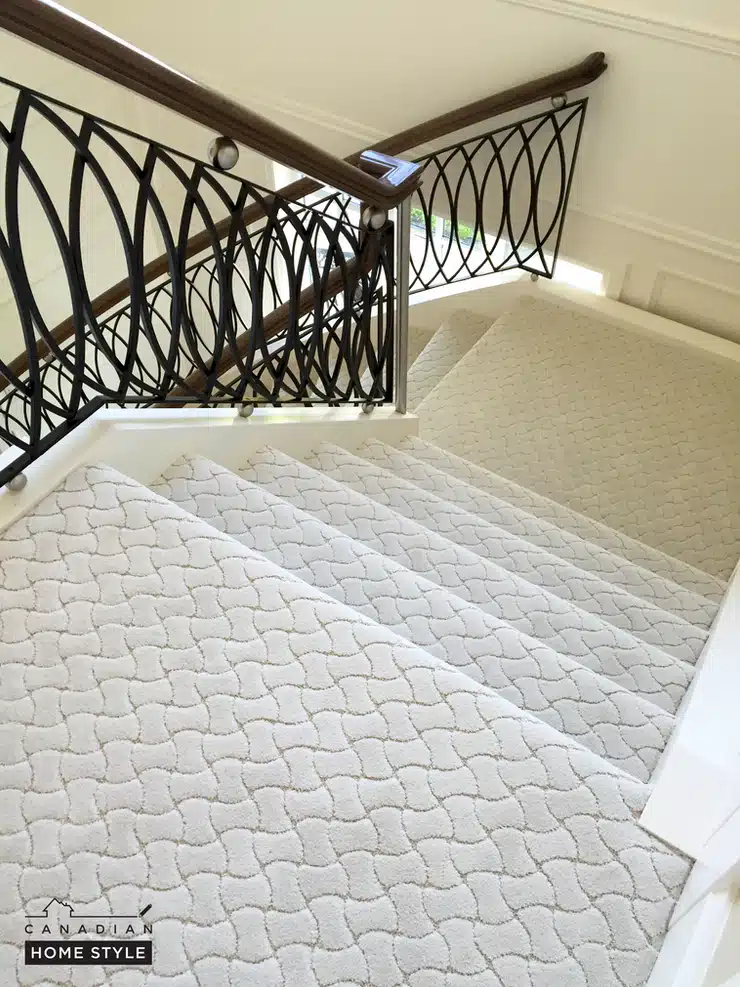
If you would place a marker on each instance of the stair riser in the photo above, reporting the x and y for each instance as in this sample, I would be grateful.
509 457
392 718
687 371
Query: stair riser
605 650
676 574
639 587
612 722
513 555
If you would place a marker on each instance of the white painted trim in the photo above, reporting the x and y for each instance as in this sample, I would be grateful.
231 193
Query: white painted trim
719 867
689 947
696 786
635 319
679 34
670 272
682 236
143 442
306 113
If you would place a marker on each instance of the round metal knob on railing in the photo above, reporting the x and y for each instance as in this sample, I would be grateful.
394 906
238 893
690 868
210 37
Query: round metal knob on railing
534 277
223 153
559 101
368 408
373 218
246 411
17 483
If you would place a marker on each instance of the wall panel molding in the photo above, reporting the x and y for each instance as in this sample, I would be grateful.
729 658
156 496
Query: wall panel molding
282 106
682 236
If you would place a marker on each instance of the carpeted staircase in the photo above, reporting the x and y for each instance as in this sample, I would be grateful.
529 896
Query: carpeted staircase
370 716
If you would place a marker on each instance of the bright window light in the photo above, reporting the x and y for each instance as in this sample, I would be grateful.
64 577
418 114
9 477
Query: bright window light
579 277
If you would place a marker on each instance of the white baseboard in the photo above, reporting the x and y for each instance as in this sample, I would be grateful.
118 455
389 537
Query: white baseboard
634 319
496 294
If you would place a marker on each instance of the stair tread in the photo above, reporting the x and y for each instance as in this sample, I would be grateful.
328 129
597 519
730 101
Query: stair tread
618 573
677 574
611 721
659 629
615 654
285 747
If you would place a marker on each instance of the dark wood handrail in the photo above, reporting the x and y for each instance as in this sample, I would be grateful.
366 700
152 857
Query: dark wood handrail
544 87
84 44
555 84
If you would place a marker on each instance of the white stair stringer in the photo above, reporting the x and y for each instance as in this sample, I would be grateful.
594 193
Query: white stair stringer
303 797
589 593
641 669
615 571
614 723
449 344
559 516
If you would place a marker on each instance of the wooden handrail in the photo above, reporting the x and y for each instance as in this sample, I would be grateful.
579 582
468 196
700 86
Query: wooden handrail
555 84
517 97
525 94
84 44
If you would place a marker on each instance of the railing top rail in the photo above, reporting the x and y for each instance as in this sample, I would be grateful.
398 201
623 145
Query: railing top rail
479 136
75 39
526 94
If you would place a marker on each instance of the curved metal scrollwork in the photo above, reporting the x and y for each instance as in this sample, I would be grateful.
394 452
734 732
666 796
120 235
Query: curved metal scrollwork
497 201
296 307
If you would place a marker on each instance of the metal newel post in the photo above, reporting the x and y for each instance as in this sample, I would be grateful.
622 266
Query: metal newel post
403 264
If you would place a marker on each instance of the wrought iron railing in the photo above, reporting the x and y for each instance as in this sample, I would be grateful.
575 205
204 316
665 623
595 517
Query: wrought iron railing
205 289
297 307
496 201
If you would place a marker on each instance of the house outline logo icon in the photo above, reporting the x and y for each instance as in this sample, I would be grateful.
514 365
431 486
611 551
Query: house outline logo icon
53 901
61 904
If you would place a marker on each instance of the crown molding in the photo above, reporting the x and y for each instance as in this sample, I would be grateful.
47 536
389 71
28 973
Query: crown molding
693 37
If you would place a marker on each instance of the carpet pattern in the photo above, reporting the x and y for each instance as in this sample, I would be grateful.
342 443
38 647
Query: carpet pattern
637 433
304 797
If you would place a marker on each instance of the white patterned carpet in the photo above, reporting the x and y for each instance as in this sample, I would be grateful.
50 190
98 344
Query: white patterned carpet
639 433
370 719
